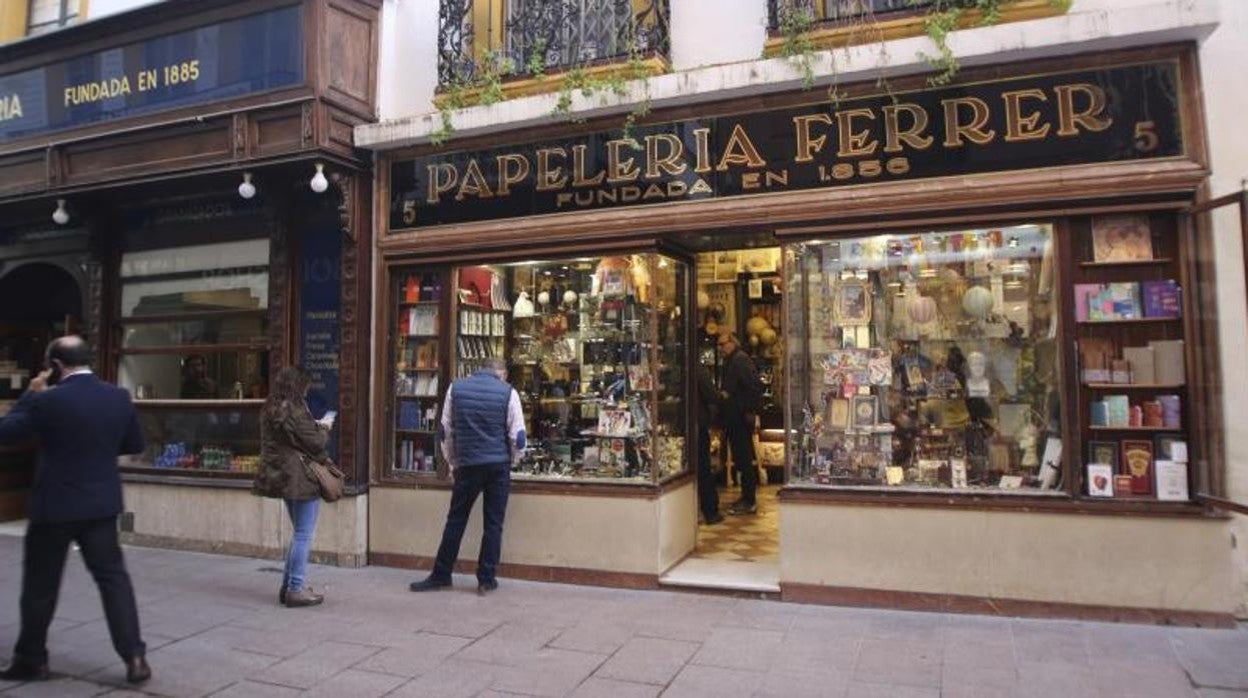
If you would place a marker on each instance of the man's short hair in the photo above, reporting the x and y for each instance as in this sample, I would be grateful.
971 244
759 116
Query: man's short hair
494 364
70 350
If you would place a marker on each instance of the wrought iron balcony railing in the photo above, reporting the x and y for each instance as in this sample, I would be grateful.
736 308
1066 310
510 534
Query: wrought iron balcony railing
547 35
842 10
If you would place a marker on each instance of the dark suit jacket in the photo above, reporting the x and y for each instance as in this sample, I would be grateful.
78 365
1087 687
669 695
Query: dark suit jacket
82 425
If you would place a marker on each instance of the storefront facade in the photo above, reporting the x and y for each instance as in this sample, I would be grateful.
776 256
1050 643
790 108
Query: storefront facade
213 216
996 336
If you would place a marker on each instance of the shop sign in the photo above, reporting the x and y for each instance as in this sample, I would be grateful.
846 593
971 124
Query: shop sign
320 306
220 61
1071 118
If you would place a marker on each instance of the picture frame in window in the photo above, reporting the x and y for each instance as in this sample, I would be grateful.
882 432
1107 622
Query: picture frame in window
1103 452
1121 238
838 413
866 410
853 302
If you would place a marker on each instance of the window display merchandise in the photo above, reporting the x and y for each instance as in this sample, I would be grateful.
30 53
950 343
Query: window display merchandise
594 347
925 360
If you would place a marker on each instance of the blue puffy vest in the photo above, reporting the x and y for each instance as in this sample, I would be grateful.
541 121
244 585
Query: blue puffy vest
479 417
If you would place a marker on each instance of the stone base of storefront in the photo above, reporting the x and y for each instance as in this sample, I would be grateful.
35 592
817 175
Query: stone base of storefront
1129 568
233 521
600 539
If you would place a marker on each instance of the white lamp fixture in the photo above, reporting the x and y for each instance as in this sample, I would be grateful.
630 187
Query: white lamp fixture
246 189
319 184
60 216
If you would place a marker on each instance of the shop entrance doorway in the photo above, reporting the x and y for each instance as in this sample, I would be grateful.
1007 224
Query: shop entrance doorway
41 301
740 306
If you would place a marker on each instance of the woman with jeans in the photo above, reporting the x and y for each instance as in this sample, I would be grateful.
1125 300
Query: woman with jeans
288 437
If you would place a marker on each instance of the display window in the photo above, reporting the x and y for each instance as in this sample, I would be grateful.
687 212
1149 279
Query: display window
926 360
595 347
193 351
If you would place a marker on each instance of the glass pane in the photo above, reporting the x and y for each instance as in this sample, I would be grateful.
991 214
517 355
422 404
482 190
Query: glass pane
671 280
237 329
926 360
189 376
579 337
418 370
223 276
225 440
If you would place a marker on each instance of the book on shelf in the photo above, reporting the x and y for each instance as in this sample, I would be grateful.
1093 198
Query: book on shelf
1137 462
1162 299
1171 481
1141 361
1100 480
1118 411
1169 361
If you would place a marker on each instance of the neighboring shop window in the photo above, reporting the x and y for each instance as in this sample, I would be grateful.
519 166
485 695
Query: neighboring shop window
594 346
50 15
926 360
194 351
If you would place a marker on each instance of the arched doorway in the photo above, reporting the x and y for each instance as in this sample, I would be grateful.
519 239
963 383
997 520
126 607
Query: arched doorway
41 301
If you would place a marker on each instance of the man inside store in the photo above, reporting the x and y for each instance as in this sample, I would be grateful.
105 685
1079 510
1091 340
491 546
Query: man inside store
482 436
708 397
740 393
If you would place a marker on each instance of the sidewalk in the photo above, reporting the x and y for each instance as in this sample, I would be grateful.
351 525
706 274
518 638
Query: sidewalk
213 627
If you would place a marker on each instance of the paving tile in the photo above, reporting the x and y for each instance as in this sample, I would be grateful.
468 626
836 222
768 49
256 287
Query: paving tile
648 660
190 667
740 648
550 672
979 664
906 627
273 642
898 662
801 684
1055 679
698 681
859 689
56 688
1121 641
255 689
451 679
1221 693
357 684
415 655
1036 641
1214 657
509 644
1144 678
598 638
594 687
809 651
310 667
955 689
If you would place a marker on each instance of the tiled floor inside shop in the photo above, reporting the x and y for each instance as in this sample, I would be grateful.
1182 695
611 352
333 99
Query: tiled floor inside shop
745 538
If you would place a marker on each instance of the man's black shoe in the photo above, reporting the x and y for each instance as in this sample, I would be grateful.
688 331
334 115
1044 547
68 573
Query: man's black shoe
743 508
21 671
714 519
486 587
137 670
429 584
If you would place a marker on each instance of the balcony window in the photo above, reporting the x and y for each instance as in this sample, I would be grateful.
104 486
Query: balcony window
847 10
49 15
552 34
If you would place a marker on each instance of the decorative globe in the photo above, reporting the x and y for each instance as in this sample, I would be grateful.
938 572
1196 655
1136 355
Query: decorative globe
977 301
543 298
753 340
921 309
768 337
569 297
704 300
756 325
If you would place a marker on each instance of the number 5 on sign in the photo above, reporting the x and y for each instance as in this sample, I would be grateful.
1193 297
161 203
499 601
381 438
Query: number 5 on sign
409 212
1146 140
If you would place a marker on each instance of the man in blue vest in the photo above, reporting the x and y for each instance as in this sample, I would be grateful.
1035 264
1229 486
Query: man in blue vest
482 435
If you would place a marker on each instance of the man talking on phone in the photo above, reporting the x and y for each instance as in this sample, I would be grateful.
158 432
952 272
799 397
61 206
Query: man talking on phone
81 424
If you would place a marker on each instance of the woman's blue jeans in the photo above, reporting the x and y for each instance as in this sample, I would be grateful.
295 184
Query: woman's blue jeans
303 518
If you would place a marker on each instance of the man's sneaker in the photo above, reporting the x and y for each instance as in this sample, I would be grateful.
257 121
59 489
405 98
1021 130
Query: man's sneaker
743 508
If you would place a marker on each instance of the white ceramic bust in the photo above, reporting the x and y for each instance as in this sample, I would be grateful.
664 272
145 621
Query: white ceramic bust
977 384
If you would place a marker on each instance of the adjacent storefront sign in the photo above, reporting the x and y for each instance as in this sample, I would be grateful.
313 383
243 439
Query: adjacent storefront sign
1072 118
238 57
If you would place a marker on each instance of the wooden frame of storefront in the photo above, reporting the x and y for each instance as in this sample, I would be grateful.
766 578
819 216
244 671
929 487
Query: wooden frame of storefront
203 149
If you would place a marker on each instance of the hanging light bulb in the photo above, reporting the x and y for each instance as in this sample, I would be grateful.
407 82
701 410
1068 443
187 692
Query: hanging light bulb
60 216
246 189
319 184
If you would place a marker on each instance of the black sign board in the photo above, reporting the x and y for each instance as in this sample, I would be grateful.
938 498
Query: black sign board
1072 118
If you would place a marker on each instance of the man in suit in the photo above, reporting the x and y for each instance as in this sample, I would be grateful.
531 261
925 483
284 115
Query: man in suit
482 432
81 424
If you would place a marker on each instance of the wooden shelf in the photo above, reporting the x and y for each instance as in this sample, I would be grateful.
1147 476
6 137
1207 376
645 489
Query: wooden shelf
1135 386
419 370
420 432
1129 321
417 397
1129 263
412 304
1098 428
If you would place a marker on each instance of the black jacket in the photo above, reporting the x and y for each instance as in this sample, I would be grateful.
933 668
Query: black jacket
707 395
740 381
82 425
